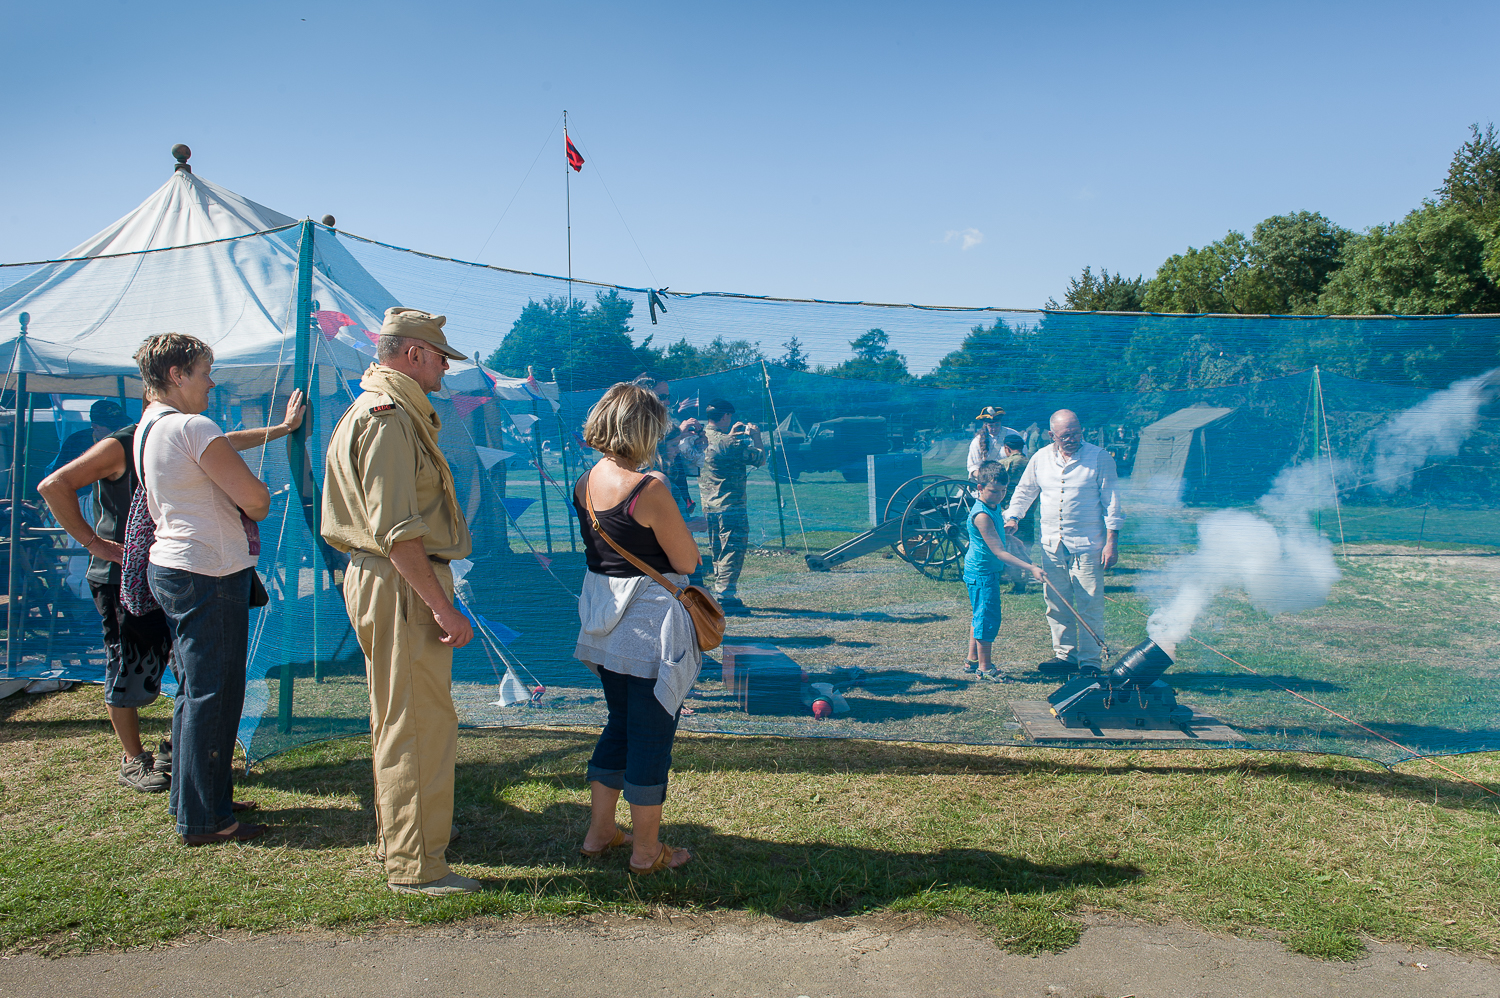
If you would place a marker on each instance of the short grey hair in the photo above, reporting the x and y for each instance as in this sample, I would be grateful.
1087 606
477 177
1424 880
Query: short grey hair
389 347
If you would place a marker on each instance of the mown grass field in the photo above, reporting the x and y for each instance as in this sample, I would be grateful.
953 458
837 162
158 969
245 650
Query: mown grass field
1324 852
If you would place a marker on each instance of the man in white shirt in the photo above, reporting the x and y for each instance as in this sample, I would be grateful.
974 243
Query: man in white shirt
1081 521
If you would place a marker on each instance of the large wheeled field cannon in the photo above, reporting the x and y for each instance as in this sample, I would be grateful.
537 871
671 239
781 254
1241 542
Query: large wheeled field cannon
925 525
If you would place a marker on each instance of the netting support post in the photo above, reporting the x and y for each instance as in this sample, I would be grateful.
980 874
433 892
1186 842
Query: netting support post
297 455
1327 439
562 453
771 464
17 472
541 474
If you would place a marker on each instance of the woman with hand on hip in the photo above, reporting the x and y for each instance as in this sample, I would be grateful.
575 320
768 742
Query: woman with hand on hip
634 635
203 499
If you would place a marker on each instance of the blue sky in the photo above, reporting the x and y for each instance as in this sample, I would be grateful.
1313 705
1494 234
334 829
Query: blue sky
964 154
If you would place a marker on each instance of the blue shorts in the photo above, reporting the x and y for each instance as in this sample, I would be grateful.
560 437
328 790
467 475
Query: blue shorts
984 597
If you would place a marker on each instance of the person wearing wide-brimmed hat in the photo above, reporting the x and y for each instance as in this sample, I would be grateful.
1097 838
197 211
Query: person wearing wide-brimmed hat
987 442
390 503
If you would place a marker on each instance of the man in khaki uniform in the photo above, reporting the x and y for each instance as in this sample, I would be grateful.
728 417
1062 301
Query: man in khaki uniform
390 503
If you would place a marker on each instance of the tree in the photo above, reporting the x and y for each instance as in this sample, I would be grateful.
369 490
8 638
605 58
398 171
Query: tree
873 360
795 358
1429 263
588 346
997 357
1216 278
1105 293
1293 257
1473 183
723 355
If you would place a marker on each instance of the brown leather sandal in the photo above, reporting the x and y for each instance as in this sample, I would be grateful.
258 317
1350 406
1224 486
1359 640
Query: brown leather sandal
663 861
618 840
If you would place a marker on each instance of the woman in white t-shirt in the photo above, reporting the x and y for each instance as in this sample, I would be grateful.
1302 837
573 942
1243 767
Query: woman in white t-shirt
201 570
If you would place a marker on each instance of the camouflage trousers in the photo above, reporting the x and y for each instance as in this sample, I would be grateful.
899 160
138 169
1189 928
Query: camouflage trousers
728 536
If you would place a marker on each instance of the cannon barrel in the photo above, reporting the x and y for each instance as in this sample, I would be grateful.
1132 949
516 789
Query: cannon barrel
1141 665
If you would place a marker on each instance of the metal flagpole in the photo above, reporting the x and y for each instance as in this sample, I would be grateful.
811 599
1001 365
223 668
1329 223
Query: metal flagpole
568 191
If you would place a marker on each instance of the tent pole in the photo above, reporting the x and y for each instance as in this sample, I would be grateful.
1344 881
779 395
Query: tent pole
1338 508
11 658
18 576
541 476
771 408
562 451
297 457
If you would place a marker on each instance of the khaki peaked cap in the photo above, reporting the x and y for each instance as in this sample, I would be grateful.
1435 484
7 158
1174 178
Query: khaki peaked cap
419 325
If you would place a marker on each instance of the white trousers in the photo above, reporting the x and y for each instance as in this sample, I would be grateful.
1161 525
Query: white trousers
1080 580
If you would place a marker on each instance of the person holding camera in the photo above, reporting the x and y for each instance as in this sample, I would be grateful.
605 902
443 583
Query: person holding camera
732 450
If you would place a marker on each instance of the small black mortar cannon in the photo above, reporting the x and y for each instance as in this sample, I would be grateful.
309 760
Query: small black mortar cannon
1130 695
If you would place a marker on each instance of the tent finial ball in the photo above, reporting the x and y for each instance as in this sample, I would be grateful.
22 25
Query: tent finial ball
181 152
329 221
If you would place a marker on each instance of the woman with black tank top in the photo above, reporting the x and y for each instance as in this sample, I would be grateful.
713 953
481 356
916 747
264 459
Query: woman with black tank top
634 635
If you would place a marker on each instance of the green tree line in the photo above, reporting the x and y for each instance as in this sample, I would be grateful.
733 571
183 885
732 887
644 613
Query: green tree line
1442 258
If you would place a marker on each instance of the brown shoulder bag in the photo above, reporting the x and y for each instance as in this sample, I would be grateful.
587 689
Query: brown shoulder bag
702 608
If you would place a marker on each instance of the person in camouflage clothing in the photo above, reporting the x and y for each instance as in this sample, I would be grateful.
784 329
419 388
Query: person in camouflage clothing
733 449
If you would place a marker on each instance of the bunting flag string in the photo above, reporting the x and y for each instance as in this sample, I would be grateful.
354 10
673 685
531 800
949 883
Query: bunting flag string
491 456
516 505
465 404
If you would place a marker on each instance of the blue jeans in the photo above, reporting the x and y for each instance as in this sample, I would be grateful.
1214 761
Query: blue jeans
210 620
634 752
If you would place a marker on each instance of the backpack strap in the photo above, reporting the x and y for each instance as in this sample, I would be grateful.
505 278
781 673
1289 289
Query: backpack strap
140 448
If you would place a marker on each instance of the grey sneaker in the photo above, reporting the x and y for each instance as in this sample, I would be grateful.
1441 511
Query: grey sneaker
451 884
164 757
140 774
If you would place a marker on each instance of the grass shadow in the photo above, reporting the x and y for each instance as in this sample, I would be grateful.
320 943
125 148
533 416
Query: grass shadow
874 616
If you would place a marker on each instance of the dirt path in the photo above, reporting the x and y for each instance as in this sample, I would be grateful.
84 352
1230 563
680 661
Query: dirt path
744 958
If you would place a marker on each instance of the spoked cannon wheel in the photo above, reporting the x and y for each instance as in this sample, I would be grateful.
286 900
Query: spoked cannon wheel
935 529
896 505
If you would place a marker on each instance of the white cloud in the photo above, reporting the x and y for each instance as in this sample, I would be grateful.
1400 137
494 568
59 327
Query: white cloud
968 238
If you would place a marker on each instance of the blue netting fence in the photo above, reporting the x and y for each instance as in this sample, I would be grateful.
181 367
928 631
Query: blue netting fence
1332 539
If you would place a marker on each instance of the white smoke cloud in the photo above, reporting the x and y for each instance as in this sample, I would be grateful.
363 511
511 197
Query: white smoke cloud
1283 566
1278 559
967 238
1434 428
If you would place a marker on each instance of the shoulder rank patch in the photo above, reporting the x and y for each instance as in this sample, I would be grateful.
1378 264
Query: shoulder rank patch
383 404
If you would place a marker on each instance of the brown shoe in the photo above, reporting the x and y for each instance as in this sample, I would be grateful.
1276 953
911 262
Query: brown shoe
244 832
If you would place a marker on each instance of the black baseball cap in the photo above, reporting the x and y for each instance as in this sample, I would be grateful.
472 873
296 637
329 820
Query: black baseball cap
108 413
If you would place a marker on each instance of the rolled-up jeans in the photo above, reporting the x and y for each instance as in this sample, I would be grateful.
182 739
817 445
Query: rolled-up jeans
634 751
210 618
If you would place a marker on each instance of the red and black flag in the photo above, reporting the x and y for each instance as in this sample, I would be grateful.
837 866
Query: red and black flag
575 158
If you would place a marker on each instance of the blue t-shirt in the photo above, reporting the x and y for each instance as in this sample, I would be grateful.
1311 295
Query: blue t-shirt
980 560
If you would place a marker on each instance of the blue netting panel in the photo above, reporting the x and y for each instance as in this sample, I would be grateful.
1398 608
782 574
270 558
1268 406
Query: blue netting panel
1372 631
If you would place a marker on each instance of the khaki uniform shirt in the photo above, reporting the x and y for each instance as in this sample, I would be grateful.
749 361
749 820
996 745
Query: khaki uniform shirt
382 487
726 462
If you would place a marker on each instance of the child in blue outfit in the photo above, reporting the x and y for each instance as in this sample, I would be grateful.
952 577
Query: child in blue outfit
982 566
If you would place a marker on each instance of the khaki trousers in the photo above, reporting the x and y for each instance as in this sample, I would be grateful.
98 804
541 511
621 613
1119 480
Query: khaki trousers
1080 579
413 726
